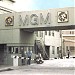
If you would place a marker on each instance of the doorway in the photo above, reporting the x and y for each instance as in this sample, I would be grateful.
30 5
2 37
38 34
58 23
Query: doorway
2 53
47 51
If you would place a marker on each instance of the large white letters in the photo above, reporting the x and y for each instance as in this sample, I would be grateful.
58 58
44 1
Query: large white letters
34 19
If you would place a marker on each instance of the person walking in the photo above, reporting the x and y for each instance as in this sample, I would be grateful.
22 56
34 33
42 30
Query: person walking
29 57
60 54
68 52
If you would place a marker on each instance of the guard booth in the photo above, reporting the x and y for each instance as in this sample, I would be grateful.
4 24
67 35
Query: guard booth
17 29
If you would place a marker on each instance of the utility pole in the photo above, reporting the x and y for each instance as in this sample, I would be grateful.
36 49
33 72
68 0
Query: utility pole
61 44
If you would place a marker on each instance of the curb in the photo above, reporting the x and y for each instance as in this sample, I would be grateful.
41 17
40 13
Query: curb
6 69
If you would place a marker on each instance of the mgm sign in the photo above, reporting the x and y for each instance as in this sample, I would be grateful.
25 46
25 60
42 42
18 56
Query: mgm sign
52 18
63 16
34 19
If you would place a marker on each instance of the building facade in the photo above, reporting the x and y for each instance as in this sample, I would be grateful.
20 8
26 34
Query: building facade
51 42
69 41
17 32
14 42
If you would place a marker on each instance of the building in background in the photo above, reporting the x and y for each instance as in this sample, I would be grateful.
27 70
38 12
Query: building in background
49 43
14 42
69 41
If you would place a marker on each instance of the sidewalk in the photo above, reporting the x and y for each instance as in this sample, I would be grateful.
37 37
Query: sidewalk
55 63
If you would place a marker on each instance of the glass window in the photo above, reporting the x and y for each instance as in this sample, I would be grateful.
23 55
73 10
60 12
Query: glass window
16 50
49 33
30 48
72 48
45 32
41 33
36 33
57 30
22 50
52 33
66 48
72 32
53 50
9 50
57 50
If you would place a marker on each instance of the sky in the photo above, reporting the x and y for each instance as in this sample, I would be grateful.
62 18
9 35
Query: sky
27 5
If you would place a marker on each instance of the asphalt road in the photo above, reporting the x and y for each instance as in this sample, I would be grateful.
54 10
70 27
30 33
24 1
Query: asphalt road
39 70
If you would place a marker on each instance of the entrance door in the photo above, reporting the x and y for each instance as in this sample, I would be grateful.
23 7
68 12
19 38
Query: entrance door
47 51
2 48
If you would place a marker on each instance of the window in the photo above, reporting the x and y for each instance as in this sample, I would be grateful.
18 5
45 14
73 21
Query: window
71 32
66 48
16 50
36 33
52 33
9 49
57 30
49 33
45 32
53 50
57 50
72 48
30 48
41 34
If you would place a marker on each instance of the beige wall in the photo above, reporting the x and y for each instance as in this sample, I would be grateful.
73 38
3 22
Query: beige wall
69 37
71 32
69 41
